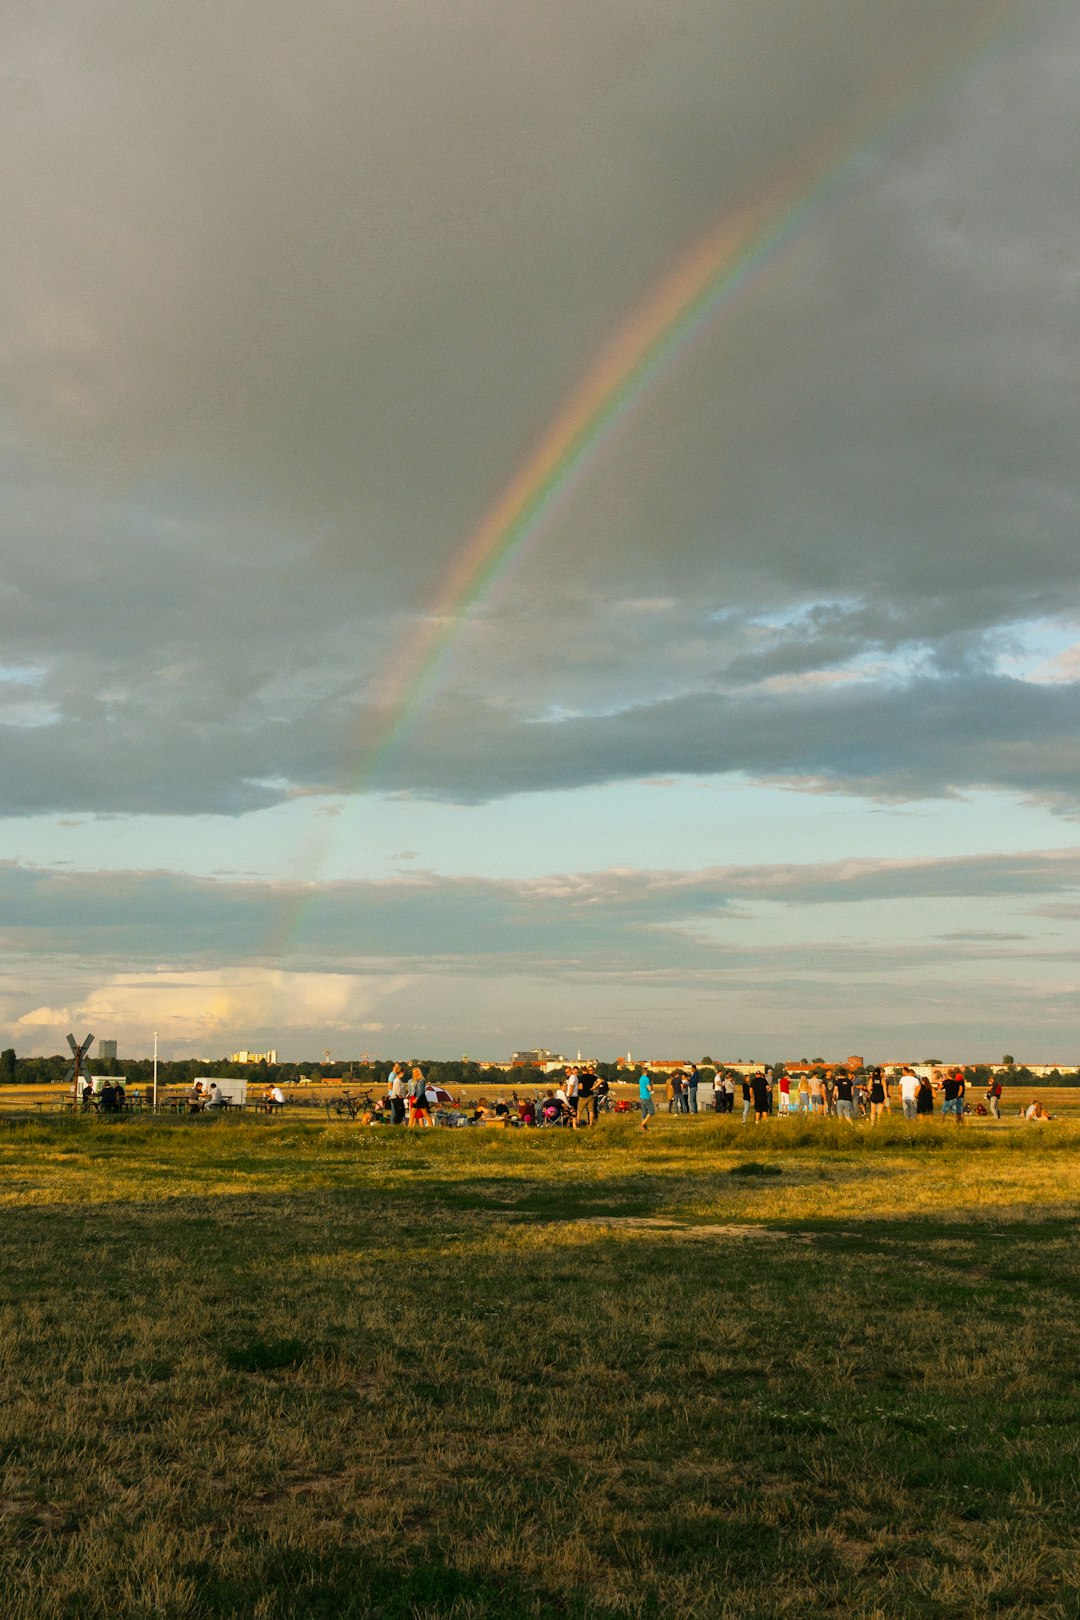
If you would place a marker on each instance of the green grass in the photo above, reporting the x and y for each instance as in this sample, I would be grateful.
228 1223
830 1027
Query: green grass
288 1370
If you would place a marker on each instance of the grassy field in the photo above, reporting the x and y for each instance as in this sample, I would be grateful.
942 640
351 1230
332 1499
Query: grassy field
281 1369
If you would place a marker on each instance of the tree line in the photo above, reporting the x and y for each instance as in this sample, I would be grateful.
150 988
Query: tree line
452 1073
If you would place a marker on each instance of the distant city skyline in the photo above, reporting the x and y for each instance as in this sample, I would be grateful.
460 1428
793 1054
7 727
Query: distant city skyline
541 518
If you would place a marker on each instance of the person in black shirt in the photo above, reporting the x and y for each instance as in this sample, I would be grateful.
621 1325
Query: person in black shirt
844 1092
759 1086
586 1108
953 1087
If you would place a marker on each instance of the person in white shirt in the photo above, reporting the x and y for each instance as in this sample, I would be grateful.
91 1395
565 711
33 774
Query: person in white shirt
397 1095
216 1097
909 1088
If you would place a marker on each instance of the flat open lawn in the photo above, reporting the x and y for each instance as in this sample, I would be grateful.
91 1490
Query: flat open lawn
280 1369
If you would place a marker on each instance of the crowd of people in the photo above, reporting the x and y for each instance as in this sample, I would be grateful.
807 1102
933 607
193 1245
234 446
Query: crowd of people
412 1100
581 1094
849 1094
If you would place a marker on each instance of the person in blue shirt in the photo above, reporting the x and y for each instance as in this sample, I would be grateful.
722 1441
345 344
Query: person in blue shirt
645 1098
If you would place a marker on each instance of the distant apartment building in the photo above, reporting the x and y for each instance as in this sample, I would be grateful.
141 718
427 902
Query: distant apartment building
254 1057
106 1051
537 1058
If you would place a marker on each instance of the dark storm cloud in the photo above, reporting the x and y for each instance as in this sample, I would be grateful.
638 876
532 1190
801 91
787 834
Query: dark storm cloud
906 740
911 740
290 291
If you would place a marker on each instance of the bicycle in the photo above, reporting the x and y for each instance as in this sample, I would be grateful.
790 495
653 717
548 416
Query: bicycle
349 1106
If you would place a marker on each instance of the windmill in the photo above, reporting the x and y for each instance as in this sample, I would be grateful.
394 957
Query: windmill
76 1071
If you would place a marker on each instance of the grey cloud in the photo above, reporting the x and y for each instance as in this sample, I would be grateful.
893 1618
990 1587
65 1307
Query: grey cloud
290 294
573 922
917 739
894 741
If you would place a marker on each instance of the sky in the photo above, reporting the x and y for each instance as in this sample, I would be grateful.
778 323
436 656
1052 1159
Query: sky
764 741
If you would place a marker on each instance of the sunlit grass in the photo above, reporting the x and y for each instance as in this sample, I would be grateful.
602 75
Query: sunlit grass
288 1369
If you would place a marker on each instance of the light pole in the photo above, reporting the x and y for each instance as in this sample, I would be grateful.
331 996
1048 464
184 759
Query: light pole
155 1071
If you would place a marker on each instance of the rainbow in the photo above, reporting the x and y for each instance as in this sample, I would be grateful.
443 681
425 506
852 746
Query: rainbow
707 281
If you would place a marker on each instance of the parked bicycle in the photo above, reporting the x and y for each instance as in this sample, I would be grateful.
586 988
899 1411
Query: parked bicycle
350 1105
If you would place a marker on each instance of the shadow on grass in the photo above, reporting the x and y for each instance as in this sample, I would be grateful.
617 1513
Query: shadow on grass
343 1585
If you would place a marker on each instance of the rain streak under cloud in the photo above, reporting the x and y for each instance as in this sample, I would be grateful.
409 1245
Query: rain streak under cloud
291 295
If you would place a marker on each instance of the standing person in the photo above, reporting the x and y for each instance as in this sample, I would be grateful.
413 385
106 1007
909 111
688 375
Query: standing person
419 1114
802 1099
924 1098
784 1084
573 1091
729 1093
396 1093
759 1087
671 1094
909 1092
690 1085
678 1081
601 1090
645 1098
954 1088
845 1099
586 1102
817 1094
993 1096
746 1099
718 1092
877 1096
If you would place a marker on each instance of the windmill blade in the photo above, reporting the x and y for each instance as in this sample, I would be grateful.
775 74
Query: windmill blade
71 1043
86 1045
69 1077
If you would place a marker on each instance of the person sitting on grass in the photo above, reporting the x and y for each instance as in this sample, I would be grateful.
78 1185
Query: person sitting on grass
526 1111
1036 1112
501 1110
